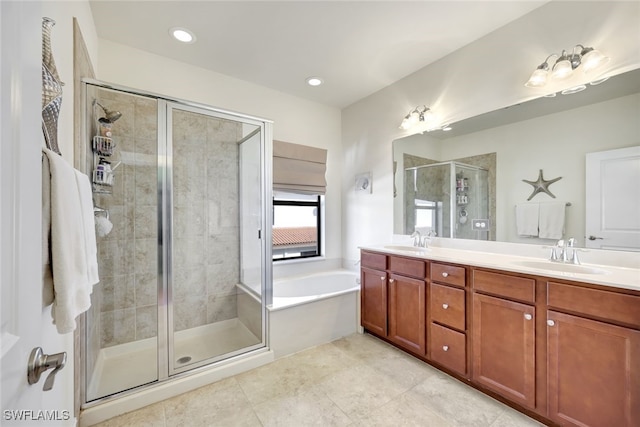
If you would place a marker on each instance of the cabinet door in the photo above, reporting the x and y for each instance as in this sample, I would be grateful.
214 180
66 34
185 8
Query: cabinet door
504 348
373 301
407 313
594 372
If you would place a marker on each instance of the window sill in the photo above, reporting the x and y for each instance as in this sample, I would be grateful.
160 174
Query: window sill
299 260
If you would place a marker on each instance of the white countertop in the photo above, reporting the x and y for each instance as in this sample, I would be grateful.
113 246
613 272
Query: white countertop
614 276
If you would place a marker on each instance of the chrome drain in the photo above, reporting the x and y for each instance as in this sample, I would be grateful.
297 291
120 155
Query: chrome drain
183 360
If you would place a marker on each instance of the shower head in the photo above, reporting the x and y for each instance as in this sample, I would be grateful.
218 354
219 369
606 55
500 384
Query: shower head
110 116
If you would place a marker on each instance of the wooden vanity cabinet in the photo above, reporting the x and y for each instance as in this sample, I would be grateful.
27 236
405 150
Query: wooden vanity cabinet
407 303
504 339
373 292
565 352
593 365
447 314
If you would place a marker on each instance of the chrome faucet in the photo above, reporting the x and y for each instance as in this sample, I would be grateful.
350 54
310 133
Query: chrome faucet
560 252
422 241
416 238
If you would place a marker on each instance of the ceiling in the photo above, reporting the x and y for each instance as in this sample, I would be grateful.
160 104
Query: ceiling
356 47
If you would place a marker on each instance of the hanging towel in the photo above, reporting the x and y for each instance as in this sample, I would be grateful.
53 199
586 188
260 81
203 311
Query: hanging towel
551 222
527 219
72 244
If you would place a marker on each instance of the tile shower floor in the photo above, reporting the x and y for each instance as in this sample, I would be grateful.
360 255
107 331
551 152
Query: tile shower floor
354 381
129 365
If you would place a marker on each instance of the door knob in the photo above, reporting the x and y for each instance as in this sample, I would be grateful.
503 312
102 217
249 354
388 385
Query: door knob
40 362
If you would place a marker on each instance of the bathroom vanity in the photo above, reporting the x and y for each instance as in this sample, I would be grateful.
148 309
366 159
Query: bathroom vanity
559 343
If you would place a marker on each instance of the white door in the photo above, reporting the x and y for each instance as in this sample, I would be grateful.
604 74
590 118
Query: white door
22 316
613 199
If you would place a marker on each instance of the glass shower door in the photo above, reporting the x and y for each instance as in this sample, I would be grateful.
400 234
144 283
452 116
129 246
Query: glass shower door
215 206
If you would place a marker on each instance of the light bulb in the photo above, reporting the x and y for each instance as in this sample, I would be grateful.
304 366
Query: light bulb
593 59
538 78
562 69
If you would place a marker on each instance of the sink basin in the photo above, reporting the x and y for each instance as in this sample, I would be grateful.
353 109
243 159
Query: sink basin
406 248
564 268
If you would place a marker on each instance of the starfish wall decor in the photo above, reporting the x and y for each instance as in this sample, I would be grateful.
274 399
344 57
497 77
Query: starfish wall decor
541 185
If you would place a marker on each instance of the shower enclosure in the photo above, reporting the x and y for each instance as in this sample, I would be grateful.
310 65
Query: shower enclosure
181 203
449 198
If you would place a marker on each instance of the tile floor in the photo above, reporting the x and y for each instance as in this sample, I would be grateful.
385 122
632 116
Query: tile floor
354 381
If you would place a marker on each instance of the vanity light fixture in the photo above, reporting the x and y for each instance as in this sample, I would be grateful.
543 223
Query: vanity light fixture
182 35
565 63
415 116
314 81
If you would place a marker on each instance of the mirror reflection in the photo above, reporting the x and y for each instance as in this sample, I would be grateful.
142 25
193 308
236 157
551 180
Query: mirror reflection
439 176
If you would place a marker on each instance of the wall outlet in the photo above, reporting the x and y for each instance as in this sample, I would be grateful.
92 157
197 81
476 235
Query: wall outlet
480 224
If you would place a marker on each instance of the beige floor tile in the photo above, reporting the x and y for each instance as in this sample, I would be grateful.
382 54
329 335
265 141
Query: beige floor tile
207 405
323 360
149 416
457 402
307 407
364 347
404 410
512 418
406 370
359 390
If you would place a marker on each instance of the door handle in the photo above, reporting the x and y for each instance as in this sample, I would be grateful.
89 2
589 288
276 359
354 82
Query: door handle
40 362
595 238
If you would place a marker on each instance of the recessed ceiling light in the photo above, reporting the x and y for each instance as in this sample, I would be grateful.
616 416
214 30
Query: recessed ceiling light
446 128
314 81
182 35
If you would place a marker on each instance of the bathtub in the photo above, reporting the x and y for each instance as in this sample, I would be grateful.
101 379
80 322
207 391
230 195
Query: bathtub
310 310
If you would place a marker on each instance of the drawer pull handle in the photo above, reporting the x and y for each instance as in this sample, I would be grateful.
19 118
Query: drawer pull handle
445 274
445 306
551 323
527 316
445 347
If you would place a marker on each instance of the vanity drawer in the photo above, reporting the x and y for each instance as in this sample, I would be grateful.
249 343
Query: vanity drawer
514 287
407 267
604 305
448 274
448 348
373 260
447 306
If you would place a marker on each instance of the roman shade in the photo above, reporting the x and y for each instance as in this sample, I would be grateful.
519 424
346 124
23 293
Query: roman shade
299 168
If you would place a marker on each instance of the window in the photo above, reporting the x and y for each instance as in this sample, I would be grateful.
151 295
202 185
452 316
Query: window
426 214
296 225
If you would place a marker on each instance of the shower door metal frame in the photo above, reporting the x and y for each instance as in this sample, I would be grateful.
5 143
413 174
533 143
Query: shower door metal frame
164 238
167 220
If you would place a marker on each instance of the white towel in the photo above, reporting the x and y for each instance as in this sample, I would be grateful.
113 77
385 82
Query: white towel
551 222
527 219
72 248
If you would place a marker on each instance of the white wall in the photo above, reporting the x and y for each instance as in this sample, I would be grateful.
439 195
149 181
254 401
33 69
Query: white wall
483 76
295 120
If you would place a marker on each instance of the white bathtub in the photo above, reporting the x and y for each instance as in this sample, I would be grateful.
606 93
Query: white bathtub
311 310
294 291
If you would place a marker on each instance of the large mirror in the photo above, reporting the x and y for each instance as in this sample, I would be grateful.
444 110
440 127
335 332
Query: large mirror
549 135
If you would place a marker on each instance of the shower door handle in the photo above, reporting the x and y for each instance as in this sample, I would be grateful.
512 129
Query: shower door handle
40 362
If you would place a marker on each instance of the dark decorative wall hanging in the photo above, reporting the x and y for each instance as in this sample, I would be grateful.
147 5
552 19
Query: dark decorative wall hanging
541 185
51 89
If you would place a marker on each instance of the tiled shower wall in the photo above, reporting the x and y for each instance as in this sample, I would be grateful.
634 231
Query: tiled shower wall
205 224
206 219
127 256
